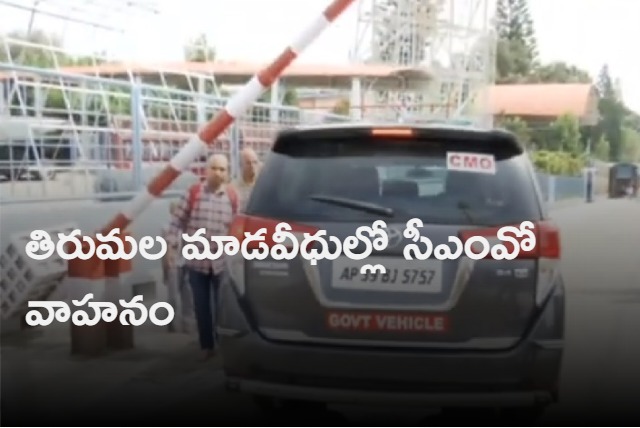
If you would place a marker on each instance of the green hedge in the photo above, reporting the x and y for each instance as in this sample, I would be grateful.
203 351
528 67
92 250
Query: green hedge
557 163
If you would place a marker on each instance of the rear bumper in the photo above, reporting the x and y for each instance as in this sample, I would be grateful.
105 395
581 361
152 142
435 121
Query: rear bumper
354 396
525 375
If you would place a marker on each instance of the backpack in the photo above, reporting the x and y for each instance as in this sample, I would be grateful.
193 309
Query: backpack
194 193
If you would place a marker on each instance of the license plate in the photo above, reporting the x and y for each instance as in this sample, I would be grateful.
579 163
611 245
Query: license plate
401 275
393 322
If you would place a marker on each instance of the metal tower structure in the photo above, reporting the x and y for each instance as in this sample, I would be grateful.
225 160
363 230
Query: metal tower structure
446 46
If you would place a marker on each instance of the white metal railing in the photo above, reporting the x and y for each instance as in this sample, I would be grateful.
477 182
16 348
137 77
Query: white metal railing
112 133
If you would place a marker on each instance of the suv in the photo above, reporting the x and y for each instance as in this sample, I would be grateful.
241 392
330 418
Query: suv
442 333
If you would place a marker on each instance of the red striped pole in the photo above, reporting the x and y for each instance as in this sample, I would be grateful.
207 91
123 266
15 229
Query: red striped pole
103 278
116 272
83 277
235 107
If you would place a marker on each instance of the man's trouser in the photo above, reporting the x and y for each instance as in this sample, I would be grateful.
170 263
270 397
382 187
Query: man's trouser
205 298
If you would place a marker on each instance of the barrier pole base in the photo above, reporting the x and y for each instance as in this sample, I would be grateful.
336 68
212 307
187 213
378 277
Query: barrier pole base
119 337
89 341
22 322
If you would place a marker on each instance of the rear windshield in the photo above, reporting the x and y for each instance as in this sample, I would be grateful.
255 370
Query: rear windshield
408 178
625 171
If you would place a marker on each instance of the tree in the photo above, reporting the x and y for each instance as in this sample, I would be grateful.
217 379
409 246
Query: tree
41 56
517 53
566 132
45 50
199 49
605 83
342 107
558 72
630 145
513 64
514 22
519 127
517 46
290 97
601 149
262 110
632 120
612 113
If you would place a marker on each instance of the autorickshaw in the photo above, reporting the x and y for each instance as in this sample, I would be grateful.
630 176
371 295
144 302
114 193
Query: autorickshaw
622 176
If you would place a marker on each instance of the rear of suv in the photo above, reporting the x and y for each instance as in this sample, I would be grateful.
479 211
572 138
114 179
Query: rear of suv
441 333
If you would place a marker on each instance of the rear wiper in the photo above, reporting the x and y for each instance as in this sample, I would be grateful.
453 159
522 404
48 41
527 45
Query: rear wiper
355 205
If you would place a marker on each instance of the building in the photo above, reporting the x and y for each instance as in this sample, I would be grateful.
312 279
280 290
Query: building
537 104
541 104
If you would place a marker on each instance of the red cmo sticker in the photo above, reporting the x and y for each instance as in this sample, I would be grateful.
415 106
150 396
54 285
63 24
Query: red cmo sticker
471 162
387 322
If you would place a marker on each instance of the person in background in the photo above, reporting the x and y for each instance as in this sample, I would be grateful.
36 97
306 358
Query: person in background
179 294
209 205
249 169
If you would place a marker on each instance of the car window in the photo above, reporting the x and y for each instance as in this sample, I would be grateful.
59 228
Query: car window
410 177
430 181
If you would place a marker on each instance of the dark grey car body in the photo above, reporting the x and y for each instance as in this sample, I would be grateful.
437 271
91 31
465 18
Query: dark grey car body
502 345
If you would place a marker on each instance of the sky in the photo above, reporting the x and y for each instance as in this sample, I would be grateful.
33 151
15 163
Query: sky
587 33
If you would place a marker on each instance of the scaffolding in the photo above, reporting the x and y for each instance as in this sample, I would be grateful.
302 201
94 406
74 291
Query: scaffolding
447 47
83 116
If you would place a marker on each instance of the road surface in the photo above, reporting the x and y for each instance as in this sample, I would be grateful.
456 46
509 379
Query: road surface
162 383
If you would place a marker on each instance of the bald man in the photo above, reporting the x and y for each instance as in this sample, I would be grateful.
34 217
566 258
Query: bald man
210 205
249 170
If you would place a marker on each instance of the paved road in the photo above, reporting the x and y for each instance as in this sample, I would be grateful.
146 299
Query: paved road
600 378
601 252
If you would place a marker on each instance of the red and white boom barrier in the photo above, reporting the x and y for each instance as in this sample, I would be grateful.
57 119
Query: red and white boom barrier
94 272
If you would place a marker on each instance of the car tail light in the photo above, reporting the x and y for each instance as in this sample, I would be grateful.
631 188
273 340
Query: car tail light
547 251
547 241
243 224
393 132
